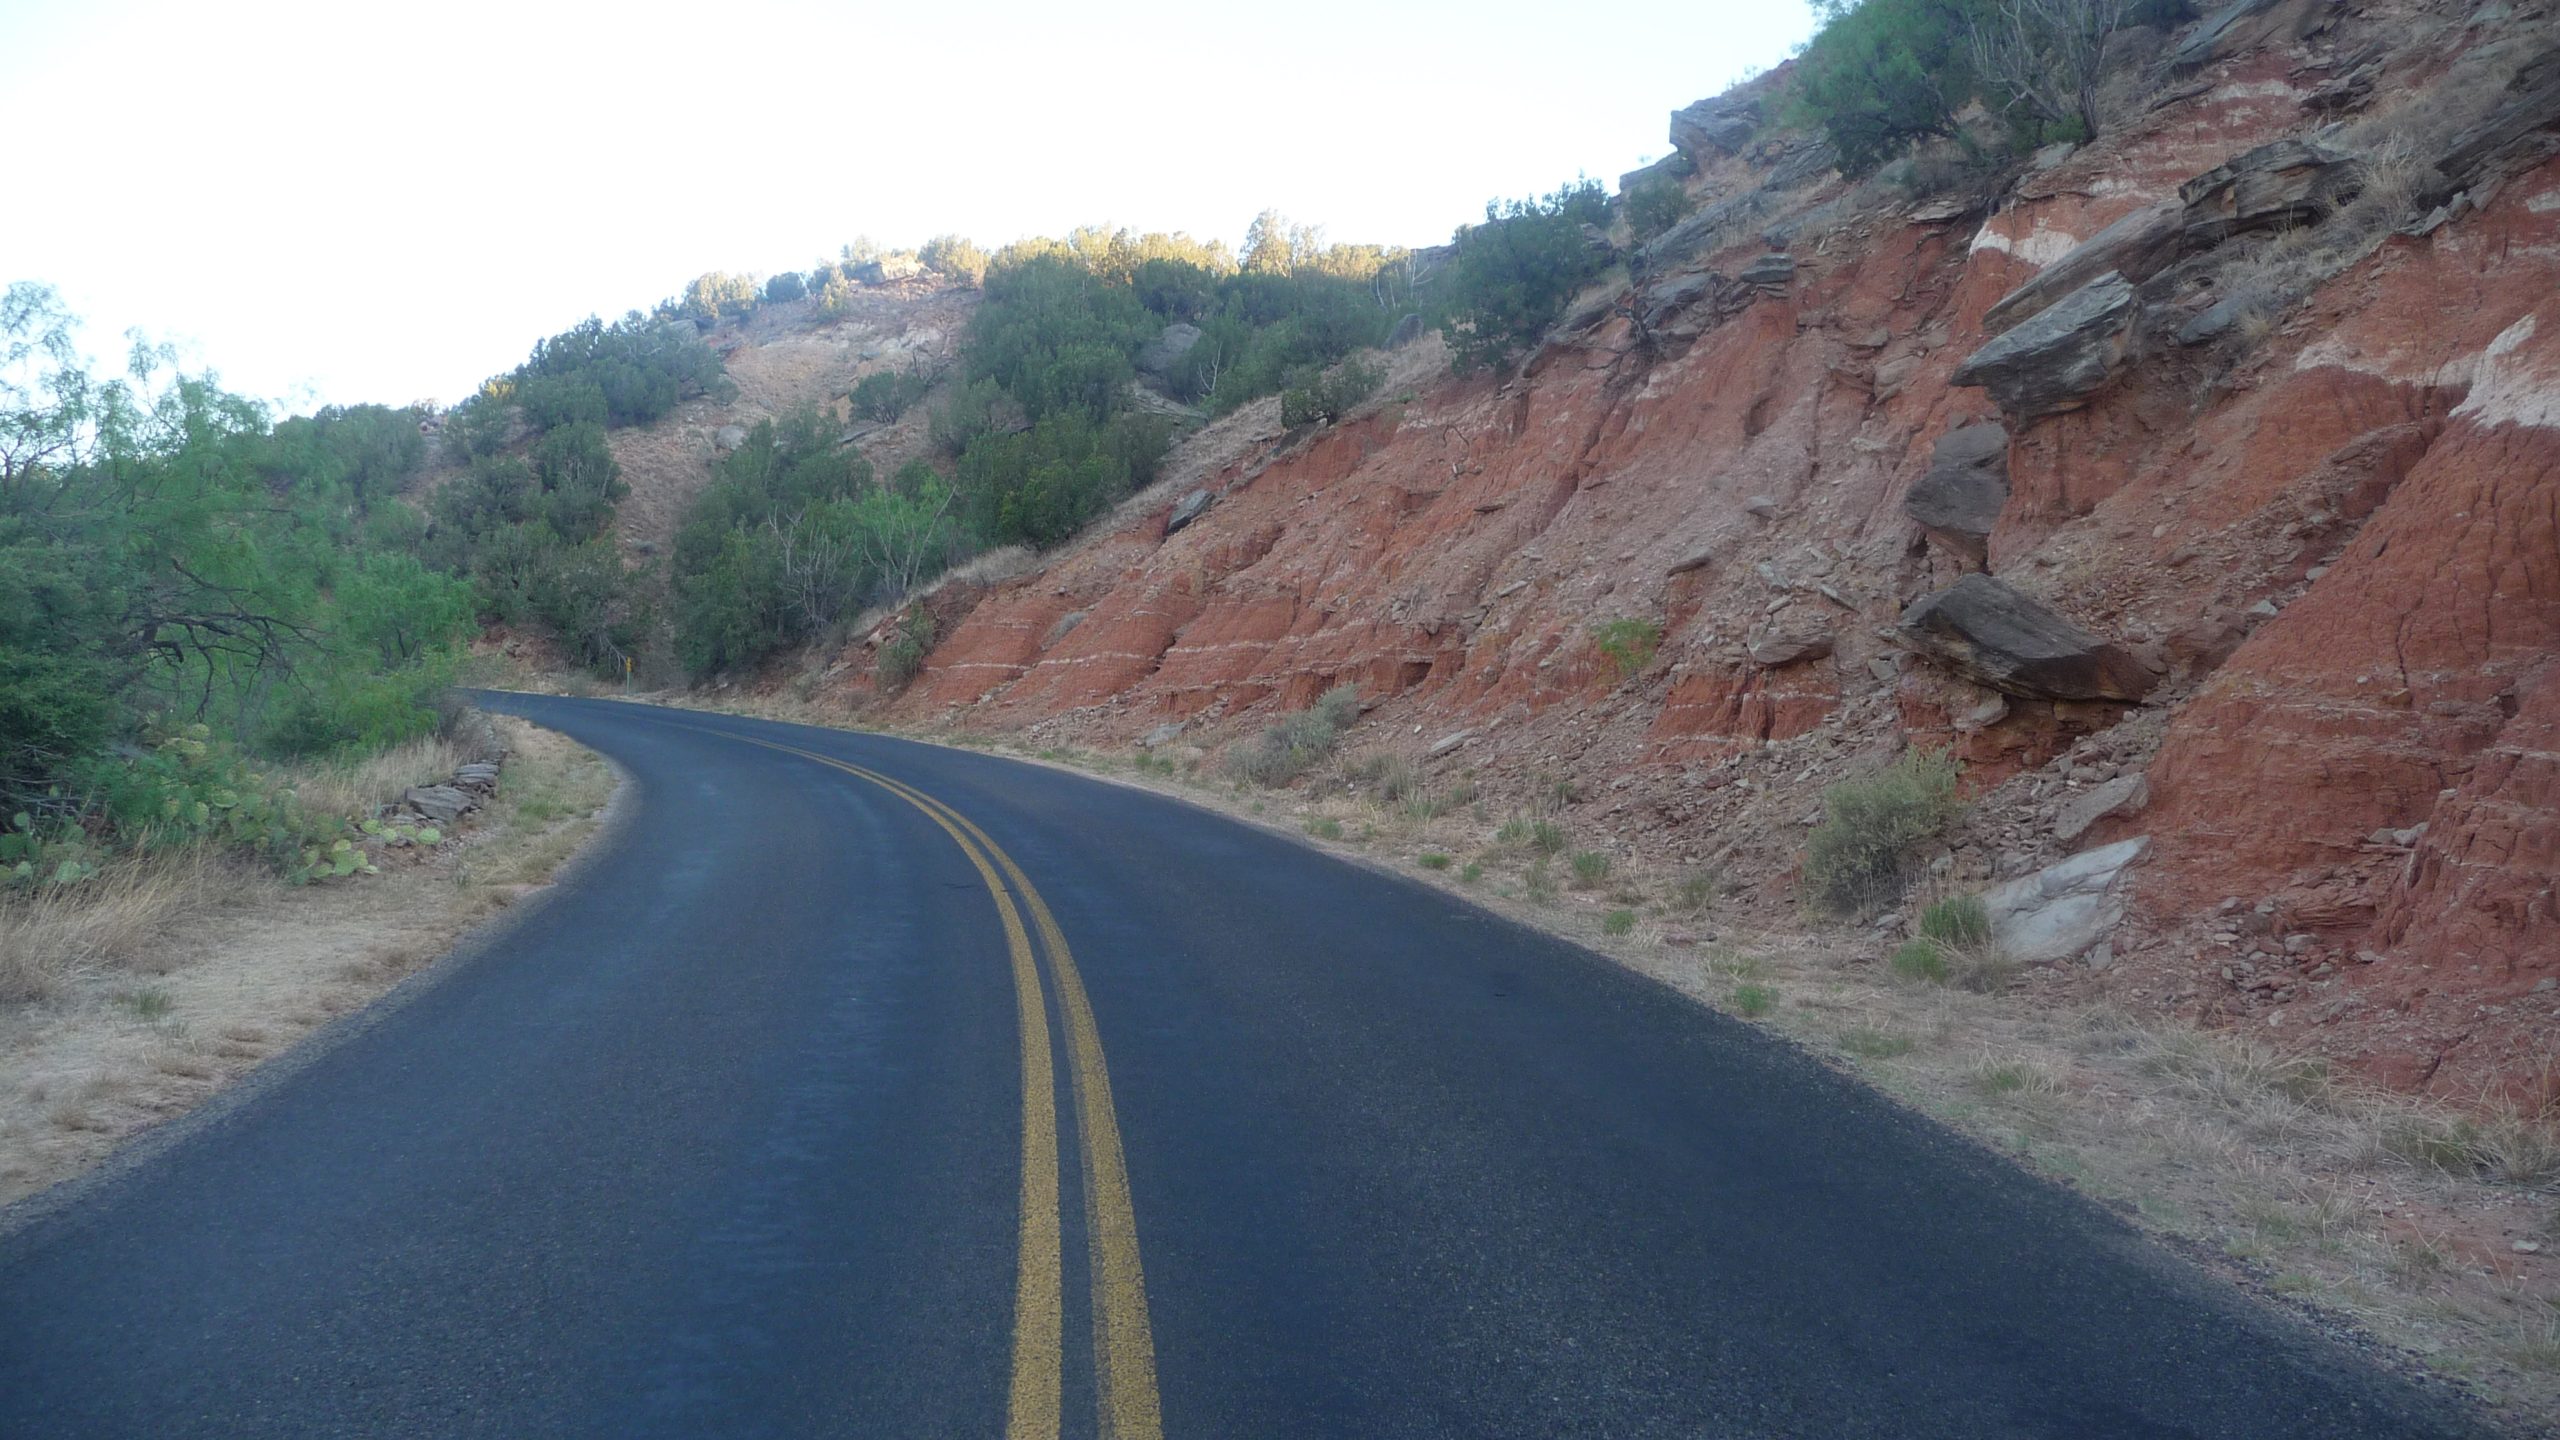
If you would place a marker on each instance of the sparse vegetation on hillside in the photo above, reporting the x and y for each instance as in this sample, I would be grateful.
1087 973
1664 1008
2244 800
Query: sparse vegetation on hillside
792 538
1043 430
1882 74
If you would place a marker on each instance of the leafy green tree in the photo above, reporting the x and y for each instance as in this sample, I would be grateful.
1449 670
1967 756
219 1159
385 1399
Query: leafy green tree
171 558
786 286
1884 73
720 295
1512 275
954 257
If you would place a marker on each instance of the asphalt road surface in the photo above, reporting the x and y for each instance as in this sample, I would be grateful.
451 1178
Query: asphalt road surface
859 1087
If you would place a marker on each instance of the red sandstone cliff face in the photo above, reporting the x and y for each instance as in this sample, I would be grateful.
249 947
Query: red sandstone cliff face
2339 543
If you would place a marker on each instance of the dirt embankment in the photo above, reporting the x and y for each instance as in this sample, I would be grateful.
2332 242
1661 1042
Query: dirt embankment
2326 533
169 978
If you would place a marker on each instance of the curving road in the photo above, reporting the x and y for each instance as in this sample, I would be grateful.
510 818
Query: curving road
860 1087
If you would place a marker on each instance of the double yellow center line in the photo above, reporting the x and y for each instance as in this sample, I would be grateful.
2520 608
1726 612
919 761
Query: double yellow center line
1124 1344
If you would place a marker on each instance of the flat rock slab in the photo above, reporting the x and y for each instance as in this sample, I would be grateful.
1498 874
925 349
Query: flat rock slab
441 803
1992 634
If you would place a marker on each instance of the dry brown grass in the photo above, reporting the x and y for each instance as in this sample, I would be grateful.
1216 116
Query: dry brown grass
359 787
50 939
141 993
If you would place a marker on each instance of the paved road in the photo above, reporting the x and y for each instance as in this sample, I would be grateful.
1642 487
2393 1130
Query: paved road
744 1133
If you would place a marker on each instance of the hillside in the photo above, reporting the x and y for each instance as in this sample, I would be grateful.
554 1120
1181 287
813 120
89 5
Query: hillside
2195 486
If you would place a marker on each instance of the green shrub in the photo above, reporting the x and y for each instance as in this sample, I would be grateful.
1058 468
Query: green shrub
1391 778
1432 860
1325 827
1860 856
1297 742
902 658
1655 205
1921 960
786 286
1472 873
1590 869
1324 398
1546 837
886 394
1618 922
1755 1001
1627 645
1959 921
1696 892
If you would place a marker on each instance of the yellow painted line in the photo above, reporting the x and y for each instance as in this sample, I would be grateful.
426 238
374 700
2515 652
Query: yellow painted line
1125 1352
1126 1397
1033 1406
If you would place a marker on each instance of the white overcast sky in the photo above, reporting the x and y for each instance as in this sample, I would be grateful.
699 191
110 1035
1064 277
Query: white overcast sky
342 202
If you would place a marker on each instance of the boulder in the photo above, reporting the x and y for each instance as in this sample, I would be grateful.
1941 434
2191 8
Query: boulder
1720 125
2063 909
1447 743
2137 247
1698 559
2121 796
2055 360
1787 644
888 269
1187 509
1991 634
2274 187
1158 356
1960 498
1163 734
728 438
441 803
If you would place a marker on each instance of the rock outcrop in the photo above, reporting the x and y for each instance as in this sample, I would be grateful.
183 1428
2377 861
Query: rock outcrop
1994 636
1958 500
1715 127
2059 357
2293 181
